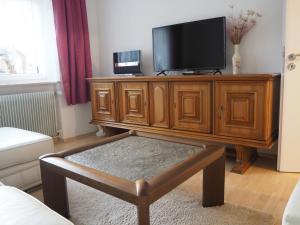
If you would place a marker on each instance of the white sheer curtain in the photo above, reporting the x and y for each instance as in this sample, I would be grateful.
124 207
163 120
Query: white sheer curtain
27 41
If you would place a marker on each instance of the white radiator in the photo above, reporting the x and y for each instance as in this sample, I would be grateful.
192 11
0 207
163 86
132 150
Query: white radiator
30 111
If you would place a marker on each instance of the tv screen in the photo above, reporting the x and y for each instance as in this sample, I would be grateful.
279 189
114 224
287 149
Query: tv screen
198 45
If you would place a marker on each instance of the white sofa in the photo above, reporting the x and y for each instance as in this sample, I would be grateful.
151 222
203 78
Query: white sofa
17 207
19 153
291 214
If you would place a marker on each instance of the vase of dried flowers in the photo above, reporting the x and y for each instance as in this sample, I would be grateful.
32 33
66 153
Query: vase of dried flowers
238 26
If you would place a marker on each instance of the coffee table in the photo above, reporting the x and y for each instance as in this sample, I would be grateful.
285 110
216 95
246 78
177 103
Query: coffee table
138 168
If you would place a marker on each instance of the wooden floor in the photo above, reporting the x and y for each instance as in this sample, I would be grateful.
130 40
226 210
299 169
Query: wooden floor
262 188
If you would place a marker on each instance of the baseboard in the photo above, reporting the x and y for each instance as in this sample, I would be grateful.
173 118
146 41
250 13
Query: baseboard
66 140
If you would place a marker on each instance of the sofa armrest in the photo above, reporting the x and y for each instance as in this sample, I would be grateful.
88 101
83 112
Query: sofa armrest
18 207
291 214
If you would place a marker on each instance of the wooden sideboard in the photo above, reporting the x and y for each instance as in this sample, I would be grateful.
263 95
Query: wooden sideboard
234 109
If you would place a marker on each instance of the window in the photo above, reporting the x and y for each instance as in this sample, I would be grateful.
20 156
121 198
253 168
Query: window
27 34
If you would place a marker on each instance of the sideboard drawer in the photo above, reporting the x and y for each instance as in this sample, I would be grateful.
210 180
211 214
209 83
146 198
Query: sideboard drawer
191 106
134 103
240 109
103 101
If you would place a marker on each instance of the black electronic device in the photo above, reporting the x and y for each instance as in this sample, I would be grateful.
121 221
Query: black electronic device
194 46
128 62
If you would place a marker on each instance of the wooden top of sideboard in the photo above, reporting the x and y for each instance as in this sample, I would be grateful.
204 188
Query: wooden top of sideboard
224 77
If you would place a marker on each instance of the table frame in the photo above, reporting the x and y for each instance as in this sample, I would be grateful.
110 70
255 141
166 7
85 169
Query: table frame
55 169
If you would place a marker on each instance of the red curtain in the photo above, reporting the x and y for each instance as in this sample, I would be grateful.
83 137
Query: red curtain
72 35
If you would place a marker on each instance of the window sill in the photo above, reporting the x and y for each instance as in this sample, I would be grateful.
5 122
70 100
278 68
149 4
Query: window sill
27 83
25 79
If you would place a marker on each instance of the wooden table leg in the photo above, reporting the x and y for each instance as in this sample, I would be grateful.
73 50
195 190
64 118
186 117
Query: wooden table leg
142 205
245 156
143 214
214 183
55 191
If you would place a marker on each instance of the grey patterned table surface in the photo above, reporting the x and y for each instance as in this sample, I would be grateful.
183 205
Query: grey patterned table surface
135 157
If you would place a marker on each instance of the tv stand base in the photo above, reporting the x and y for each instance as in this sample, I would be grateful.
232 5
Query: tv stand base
217 72
202 72
161 73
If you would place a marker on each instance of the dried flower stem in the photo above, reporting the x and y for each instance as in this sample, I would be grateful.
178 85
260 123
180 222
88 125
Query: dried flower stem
239 26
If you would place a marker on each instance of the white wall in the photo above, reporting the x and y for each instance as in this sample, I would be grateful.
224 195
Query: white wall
74 120
94 33
126 25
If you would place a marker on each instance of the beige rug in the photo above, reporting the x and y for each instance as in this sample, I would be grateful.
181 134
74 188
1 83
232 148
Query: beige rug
91 207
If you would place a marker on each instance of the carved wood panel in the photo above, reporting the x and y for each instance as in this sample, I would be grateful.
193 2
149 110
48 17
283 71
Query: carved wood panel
103 101
241 109
159 104
134 102
191 106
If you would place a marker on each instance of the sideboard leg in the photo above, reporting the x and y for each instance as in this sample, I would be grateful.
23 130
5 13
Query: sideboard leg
245 156
101 132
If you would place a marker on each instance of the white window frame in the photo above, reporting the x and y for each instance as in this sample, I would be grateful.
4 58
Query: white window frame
49 71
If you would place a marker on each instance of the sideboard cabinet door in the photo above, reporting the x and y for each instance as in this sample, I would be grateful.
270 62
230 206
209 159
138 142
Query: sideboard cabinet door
240 109
191 106
103 101
134 104
159 104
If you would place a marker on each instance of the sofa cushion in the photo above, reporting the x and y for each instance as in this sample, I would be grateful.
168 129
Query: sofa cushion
22 176
291 214
17 207
19 146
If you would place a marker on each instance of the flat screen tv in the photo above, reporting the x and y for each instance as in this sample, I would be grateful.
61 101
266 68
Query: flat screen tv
193 46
